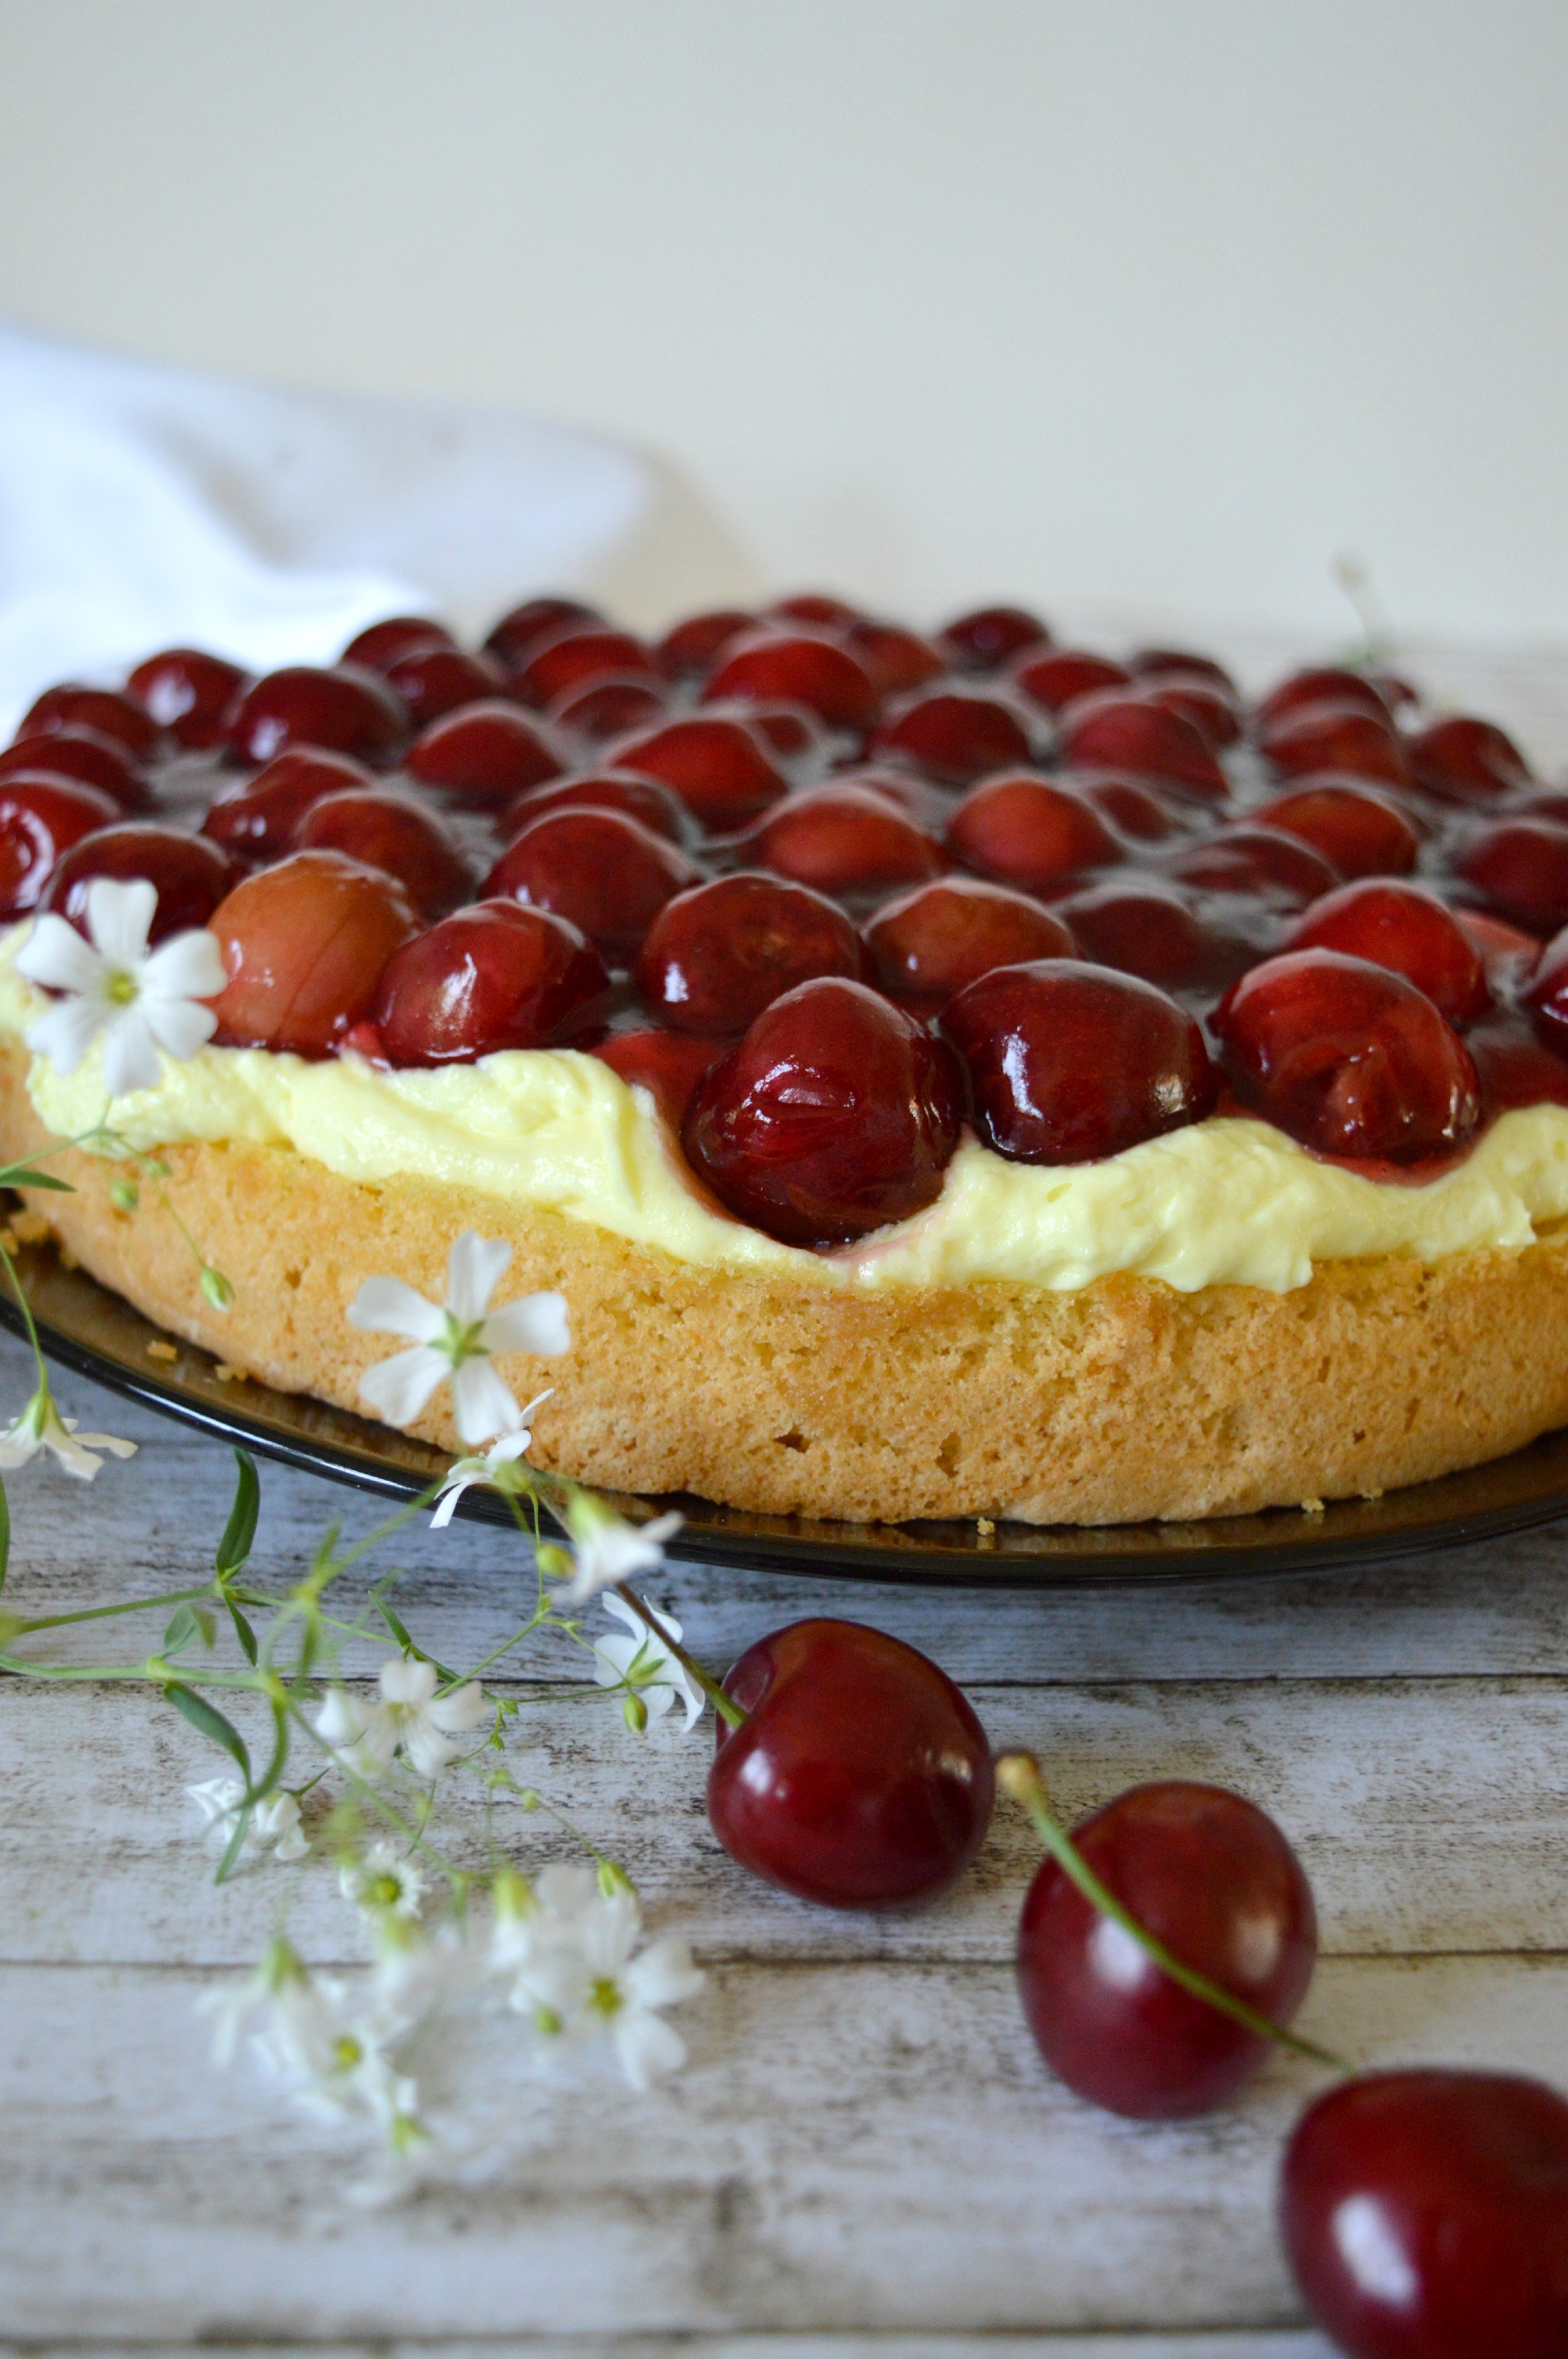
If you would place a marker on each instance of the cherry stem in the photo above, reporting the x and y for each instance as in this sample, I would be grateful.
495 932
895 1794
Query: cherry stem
1019 1775
729 1711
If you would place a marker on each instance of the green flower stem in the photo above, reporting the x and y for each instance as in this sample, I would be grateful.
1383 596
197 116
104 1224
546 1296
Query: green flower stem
457 1877
729 1711
23 1629
1017 1774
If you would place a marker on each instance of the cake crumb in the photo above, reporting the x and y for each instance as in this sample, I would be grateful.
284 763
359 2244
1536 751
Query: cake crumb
1372 1497
31 1228
157 1350
227 1375
68 1259
984 1526
1311 1507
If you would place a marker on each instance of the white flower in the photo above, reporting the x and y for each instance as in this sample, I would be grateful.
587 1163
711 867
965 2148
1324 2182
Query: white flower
410 1716
585 1980
231 2005
274 1823
457 1340
41 1427
141 1002
497 1467
609 1548
337 2051
642 1660
385 1883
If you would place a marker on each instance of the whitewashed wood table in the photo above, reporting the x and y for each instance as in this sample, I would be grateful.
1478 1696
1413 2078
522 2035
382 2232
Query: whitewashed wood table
865 2143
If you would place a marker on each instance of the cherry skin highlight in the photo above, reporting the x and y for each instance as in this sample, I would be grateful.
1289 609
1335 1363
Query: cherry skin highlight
381 644
990 636
575 655
1132 807
897 661
490 977
305 945
1053 678
340 711
934 941
860 1778
1407 928
523 629
40 819
1349 1058
1069 1063
106 710
1336 737
769 666
86 757
817 607
606 872
1117 731
716 956
846 839
1211 713
435 680
1358 831
389 831
191 876
721 769
1020 829
834 1114
257 819
1465 760
1547 994
953 734
1520 867
1214 1879
690 650
189 693
1159 663
1322 684
484 755
1424 2215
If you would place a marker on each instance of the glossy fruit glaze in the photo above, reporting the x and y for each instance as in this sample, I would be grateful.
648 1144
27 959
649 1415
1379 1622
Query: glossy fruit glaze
1061 894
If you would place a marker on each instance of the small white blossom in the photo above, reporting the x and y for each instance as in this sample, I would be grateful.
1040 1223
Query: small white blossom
110 985
588 1978
609 1550
456 1341
498 1468
41 1427
335 2051
641 1659
385 1883
409 1717
232 2004
274 1823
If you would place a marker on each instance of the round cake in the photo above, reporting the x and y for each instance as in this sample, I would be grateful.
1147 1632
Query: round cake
950 1075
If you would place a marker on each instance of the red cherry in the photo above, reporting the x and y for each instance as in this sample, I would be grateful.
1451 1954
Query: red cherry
845 839
86 757
1260 861
1114 731
1509 954
990 636
953 734
1402 700
934 941
575 655
393 833
106 710
720 768
525 627
1146 928
40 819
716 956
1343 737
817 608
1024 829
669 1065
1545 802
1211 713
1349 1058
770 667
490 977
1053 678
692 650
1358 831
305 944
189 693
787 731
860 1778
342 712
1425 2215
1515 1068
1547 994
1321 684
1158 663
1135 810
1465 760
834 1114
1404 927
929 805
1069 1063
381 644
483 757
258 818
605 871
1215 1880
623 790
192 874
1519 866
897 661
435 680
607 708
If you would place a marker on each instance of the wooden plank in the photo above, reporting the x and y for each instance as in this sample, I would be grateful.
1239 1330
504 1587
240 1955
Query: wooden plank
1287 2345
852 2148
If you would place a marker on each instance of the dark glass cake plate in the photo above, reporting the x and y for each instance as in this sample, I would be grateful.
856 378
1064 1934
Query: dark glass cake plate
89 1330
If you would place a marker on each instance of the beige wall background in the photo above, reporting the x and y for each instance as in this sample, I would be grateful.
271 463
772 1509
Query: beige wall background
1131 306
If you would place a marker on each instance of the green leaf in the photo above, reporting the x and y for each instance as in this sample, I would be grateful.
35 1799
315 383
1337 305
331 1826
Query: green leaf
239 1532
18 1176
211 1724
182 1629
243 1630
235 1844
395 1624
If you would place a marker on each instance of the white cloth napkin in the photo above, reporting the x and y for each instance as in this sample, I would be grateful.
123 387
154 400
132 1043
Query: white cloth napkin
143 507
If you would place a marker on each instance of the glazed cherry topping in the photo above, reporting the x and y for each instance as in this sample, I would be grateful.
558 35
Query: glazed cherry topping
1349 1058
720 768
788 731
690 650
1465 760
305 944
40 819
834 1114
669 1065
932 942
1135 808
490 977
434 681
191 874
772 666
86 756
1547 995
640 797
1515 1068
1024 829
1158 663
897 661
1069 1063
1211 713
1215 1880
341 710
860 1778
1519 868
1425 2215
953 734
189 693
1113 730
605 871
1404 927
484 755
575 655
846 839
1320 684
1358 831
391 830
523 629
818 608
1262 860
1053 678
607 708
381 644
716 956
106 710
1402 700
1343 737
258 818
1147 927
990 636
